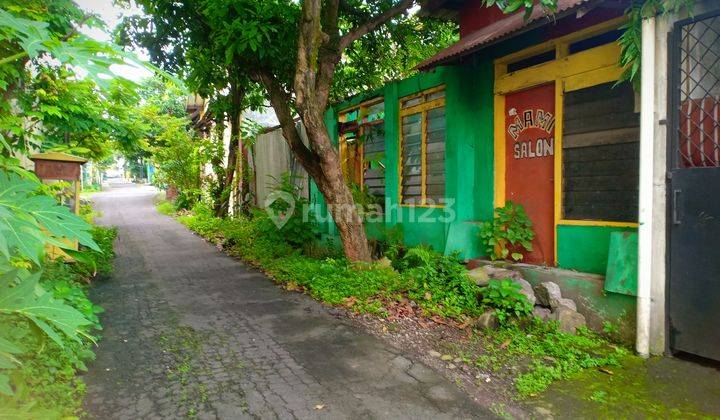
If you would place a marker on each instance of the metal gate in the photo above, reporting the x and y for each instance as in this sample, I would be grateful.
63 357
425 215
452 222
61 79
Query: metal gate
694 187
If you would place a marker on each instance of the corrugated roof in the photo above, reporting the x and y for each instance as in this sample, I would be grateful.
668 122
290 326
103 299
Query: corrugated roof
59 156
494 32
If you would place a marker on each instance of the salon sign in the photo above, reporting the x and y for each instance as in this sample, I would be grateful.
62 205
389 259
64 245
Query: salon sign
538 121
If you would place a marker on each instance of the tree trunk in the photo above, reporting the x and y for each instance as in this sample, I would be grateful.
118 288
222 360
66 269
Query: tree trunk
322 163
244 189
227 182
342 207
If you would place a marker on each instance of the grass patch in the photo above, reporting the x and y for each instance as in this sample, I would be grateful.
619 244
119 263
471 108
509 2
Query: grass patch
91 188
166 207
540 354
184 346
435 282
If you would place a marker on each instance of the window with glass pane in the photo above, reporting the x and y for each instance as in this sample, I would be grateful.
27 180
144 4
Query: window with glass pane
362 147
600 154
422 174
435 157
374 159
412 159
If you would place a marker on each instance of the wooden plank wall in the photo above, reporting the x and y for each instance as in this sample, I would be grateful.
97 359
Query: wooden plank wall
601 150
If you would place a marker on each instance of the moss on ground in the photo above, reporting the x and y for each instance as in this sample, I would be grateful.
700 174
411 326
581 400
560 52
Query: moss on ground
661 387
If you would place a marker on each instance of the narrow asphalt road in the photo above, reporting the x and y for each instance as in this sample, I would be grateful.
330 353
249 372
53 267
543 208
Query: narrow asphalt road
191 332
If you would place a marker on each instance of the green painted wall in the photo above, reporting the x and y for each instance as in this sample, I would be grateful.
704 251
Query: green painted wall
469 165
414 233
585 248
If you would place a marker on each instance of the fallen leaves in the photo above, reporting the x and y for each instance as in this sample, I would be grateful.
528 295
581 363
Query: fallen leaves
293 287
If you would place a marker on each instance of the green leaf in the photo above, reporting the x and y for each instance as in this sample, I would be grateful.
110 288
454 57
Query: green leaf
5 387
29 221
28 299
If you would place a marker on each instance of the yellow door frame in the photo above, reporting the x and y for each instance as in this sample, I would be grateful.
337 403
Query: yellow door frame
569 72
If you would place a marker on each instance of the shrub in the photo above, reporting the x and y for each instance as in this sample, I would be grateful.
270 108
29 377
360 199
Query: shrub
45 382
440 283
66 283
367 203
178 155
97 263
508 233
186 199
299 229
504 296
391 245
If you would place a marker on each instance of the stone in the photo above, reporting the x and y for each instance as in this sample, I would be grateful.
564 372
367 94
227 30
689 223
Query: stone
494 272
479 276
401 363
566 302
474 263
434 353
526 289
488 320
546 292
542 313
568 320
440 393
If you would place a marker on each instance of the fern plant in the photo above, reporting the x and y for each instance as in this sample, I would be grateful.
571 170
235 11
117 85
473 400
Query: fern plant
508 234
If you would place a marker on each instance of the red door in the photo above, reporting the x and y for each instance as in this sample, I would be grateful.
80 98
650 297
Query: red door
529 160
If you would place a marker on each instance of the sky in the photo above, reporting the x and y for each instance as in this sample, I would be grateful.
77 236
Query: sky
112 15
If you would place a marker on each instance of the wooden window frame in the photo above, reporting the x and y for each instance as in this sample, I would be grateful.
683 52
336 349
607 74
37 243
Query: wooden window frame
422 109
361 148
569 72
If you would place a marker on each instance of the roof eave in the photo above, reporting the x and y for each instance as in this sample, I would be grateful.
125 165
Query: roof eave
432 62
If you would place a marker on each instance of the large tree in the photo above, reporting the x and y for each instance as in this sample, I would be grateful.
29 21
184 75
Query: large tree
294 51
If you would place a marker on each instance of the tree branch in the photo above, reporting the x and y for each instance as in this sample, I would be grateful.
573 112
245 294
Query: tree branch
373 23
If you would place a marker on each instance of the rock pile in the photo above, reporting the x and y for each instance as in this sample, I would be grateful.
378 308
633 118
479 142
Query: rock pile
549 305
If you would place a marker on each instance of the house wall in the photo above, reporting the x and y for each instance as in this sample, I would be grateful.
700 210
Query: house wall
470 163
581 246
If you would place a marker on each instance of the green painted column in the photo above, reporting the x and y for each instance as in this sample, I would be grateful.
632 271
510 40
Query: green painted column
392 136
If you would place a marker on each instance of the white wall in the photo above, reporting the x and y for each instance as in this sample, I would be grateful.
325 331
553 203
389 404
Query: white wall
273 158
